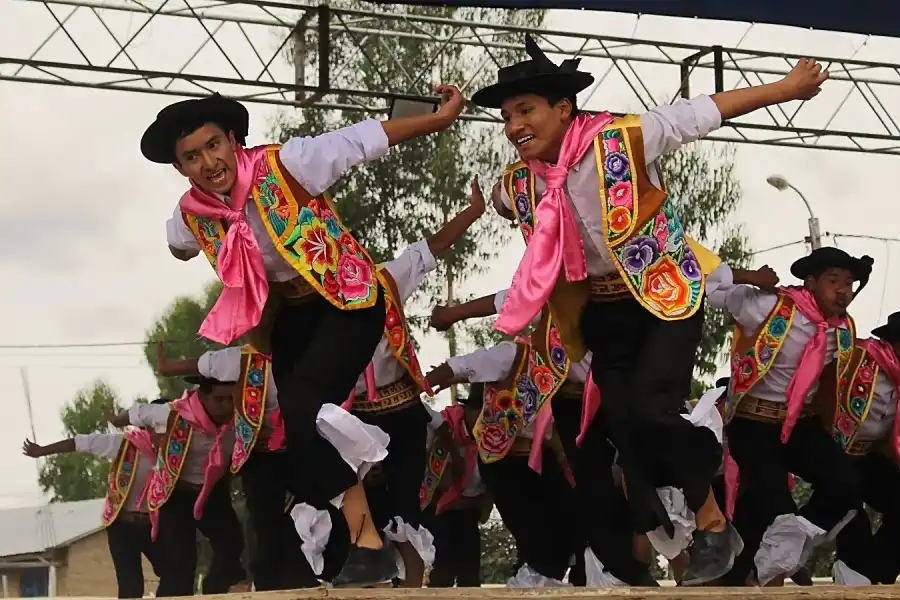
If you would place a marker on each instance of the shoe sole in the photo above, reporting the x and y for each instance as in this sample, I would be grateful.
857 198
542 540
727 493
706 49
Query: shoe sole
738 548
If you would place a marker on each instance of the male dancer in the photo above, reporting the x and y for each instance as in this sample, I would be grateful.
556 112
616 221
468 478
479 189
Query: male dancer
599 227
190 489
259 457
395 405
521 379
786 337
132 455
263 218
454 498
865 425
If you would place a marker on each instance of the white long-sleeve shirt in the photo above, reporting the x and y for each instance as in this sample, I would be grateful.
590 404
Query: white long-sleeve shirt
751 307
157 416
107 445
316 163
408 270
879 422
665 129
225 365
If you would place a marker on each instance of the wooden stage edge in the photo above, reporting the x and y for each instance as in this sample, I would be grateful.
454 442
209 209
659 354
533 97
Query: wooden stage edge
819 592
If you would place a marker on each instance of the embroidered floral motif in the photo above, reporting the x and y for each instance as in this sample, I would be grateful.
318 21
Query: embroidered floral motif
169 463
434 471
618 186
209 233
855 395
119 481
396 330
248 415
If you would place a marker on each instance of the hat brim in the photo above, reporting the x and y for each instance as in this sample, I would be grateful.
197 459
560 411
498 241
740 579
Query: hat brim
493 96
158 141
889 332
809 265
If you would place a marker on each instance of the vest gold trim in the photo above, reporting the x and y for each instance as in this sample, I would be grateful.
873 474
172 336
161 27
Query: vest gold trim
389 397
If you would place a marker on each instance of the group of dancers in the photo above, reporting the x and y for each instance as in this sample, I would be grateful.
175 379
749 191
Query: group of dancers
581 431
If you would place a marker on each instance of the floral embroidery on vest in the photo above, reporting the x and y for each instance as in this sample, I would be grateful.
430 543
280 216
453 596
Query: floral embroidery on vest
856 392
621 194
119 481
309 235
169 463
511 406
396 329
248 415
434 471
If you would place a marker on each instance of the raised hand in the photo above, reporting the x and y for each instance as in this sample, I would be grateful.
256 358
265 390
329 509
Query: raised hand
476 198
452 102
804 81
441 318
32 450
765 278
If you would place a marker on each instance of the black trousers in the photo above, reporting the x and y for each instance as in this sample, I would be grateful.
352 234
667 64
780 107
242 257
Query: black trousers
457 547
538 509
318 353
278 562
397 493
643 367
599 505
129 538
875 556
178 541
765 462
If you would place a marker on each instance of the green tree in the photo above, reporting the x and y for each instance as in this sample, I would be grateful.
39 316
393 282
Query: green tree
421 184
77 476
703 181
178 328
498 552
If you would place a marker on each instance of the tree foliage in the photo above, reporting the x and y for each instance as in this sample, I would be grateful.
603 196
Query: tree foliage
78 476
703 181
498 552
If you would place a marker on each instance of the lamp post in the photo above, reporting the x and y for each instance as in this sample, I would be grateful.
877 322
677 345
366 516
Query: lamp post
780 183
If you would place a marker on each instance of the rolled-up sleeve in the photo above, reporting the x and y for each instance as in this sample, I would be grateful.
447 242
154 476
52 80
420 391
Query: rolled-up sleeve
104 445
668 127
409 269
221 365
485 365
153 416
317 162
749 305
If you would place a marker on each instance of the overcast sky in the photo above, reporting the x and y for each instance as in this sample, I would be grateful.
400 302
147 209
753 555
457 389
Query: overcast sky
83 254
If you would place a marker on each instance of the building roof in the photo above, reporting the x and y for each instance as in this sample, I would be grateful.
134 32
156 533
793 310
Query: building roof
34 529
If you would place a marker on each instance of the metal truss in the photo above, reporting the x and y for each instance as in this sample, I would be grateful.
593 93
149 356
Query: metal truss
248 48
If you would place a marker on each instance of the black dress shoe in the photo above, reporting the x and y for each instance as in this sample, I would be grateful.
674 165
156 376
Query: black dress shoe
712 555
366 567
802 577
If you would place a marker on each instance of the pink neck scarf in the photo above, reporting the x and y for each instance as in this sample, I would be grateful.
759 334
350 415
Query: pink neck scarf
812 360
556 242
239 262
144 444
454 417
887 361
191 409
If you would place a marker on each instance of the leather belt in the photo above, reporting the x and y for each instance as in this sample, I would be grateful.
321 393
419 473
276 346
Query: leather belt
608 288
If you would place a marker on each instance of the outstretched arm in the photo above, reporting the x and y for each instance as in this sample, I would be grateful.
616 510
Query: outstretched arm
407 128
104 445
748 295
451 233
444 317
172 368
34 450
802 83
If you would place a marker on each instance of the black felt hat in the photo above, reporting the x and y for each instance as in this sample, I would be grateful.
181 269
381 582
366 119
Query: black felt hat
830 257
890 331
181 118
540 74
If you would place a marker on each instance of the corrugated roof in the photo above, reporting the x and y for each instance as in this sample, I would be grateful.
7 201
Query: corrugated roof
33 529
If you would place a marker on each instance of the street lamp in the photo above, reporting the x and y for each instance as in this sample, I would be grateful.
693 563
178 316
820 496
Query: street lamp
780 183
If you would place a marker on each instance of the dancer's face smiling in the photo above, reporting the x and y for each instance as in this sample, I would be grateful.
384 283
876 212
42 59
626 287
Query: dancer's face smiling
535 127
206 156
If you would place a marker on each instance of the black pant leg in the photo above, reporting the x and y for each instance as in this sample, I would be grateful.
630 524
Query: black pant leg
222 528
125 544
318 353
177 540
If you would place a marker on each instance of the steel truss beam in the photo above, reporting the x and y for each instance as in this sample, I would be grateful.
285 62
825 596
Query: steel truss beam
244 48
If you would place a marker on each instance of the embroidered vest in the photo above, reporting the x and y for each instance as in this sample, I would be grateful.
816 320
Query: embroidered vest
306 231
662 268
752 357
539 370
169 461
396 329
855 393
120 480
435 466
250 408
